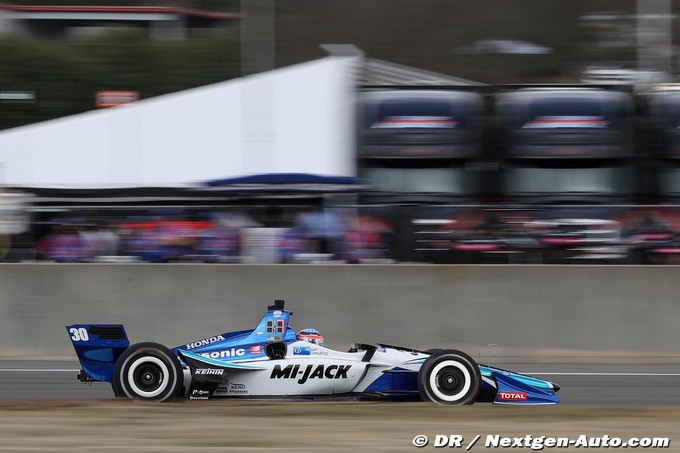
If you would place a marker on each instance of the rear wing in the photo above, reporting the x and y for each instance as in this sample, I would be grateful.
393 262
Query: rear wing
98 347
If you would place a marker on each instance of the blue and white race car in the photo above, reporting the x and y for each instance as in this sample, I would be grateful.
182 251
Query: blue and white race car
272 361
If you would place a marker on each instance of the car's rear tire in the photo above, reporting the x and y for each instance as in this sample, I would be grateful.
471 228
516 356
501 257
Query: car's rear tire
148 371
449 377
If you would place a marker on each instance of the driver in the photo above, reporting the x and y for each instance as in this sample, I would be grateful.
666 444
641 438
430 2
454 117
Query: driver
310 335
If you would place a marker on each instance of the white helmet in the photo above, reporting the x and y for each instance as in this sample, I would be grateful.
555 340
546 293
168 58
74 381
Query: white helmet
310 335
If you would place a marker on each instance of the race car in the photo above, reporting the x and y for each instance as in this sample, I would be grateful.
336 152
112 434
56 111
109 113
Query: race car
273 361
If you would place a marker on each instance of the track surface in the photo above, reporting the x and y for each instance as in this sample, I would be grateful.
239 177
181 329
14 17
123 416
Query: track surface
43 408
581 385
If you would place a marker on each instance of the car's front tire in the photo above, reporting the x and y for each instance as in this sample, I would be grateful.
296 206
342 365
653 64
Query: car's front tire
148 371
449 377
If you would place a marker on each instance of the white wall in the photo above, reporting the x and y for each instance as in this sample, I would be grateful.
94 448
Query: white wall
294 119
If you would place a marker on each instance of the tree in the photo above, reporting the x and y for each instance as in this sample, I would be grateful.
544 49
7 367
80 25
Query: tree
66 74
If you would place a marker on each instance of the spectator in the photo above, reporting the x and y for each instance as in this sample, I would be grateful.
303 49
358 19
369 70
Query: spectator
173 235
64 244
138 239
100 241
322 227
364 239
221 242
292 244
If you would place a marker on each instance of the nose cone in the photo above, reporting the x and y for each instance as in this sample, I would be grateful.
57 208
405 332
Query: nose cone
555 387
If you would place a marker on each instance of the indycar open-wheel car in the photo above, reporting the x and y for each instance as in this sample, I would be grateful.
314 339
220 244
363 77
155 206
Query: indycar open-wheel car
270 361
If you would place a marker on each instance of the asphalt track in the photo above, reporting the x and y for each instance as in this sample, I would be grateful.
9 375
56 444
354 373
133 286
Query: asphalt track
581 384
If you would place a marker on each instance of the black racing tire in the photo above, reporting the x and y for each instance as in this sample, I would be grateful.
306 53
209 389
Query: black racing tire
148 371
432 350
449 377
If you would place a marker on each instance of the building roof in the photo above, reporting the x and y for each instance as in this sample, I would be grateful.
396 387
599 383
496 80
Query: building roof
62 11
374 72
385 73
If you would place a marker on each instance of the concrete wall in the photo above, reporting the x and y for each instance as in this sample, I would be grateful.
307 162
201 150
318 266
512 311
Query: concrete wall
615 308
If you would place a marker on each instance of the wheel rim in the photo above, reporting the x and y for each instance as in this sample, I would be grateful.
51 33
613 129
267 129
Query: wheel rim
450 380
148 377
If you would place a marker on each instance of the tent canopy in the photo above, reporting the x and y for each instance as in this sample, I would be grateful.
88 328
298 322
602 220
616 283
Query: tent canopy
290 182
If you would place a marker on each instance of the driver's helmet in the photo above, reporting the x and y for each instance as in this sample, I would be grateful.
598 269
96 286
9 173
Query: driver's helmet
310 335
